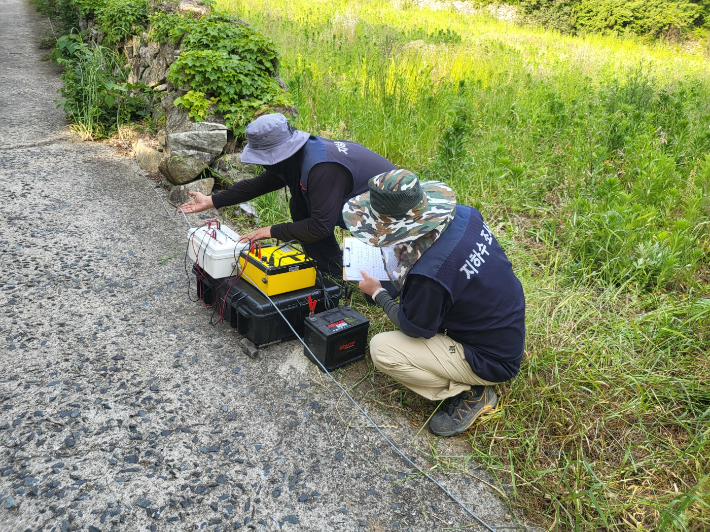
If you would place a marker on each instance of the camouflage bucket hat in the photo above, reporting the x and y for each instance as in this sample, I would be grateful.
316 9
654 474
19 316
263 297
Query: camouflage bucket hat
399 208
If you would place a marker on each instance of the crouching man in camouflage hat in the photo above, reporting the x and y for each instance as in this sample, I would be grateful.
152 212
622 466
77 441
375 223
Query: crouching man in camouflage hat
461 315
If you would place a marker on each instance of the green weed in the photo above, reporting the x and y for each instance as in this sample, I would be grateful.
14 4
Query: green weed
95 95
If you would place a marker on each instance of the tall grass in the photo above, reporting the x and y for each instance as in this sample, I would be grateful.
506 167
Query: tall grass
589 158
95 94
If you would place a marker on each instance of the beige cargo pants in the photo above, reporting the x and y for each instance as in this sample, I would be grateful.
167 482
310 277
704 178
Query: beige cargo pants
435 368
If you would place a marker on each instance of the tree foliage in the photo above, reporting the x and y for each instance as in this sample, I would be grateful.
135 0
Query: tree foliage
649 18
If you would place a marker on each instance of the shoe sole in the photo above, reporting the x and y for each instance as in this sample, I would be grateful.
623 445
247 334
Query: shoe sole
485 409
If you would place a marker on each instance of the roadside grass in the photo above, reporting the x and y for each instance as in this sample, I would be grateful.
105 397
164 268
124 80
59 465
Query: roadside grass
606 426
589 158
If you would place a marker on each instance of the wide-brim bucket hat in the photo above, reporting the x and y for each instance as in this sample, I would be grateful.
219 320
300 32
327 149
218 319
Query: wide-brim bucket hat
270 140
399 208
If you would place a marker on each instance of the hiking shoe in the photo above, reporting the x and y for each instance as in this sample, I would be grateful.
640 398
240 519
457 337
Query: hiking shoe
459 412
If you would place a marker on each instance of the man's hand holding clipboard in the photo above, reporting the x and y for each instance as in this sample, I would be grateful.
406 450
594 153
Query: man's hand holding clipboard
358 256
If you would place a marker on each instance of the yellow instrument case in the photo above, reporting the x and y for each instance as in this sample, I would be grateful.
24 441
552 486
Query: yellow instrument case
280 269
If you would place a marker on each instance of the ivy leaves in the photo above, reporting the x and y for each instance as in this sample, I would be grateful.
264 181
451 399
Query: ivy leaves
224 63
234 78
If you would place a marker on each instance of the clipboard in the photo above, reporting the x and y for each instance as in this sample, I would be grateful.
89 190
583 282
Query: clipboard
359 256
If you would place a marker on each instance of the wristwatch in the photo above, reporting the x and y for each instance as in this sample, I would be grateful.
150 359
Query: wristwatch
380 289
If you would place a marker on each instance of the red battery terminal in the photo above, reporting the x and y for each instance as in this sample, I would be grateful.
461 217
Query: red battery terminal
312 305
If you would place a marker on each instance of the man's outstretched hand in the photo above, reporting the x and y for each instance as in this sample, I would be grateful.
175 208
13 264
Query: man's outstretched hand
198 203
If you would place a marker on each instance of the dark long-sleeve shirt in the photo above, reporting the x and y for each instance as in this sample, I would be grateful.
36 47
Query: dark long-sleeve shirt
425 306
328 183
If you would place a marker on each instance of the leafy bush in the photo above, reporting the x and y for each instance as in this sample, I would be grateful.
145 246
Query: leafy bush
225 65
235 87
120 19
656 18
117 19
95 95
641 17
554 14
88 8
216 31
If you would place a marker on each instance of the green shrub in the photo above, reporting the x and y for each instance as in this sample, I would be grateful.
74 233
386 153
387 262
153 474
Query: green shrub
641 17
216 31
553 14
655 18
95 94
235 87
88 8
120 19
225 65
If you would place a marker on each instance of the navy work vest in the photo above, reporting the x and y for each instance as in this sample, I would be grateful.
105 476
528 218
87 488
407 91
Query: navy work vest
360 162
487 313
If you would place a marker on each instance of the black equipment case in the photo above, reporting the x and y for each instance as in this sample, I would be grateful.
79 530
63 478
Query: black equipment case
246 309
337 337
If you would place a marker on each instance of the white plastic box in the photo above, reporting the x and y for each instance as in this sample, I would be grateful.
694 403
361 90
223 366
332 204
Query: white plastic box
216 249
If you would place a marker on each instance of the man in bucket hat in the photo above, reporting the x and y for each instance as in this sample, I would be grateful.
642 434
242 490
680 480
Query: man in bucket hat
461 315
320 174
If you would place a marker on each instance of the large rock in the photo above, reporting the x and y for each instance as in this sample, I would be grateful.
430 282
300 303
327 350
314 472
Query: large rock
201 139
180 194
151 61
190 152
182 166
148 158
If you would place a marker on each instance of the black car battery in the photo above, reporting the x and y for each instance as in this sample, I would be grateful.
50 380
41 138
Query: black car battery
246 309
336 337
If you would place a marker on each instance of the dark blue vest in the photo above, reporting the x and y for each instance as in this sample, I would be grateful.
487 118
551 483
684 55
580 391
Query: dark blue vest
487 313
360 162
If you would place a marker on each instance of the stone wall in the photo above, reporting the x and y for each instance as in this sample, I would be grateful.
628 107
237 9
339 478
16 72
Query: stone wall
186 148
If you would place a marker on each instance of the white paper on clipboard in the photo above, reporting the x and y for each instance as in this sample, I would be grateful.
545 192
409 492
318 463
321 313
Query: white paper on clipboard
359 256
